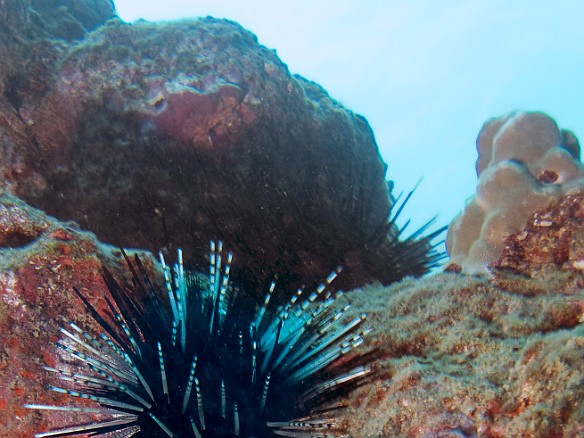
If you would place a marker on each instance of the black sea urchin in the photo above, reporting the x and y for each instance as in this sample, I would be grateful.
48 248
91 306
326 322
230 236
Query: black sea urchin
203 365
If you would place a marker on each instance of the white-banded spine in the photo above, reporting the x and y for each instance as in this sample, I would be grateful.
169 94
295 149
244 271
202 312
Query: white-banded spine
272 352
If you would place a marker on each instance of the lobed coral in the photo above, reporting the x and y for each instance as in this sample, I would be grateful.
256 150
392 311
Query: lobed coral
525 162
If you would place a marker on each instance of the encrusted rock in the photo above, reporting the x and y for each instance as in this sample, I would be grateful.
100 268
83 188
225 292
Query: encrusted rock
551 246
460 357
41 260
168 134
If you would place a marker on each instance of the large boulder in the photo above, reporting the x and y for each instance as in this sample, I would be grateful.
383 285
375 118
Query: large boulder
169 134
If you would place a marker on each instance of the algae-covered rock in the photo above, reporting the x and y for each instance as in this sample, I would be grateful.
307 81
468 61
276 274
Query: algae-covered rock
156 135
452 354
33 33
461 357
23 20
524 163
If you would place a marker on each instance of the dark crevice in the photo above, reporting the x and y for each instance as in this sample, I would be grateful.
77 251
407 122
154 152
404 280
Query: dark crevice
16 239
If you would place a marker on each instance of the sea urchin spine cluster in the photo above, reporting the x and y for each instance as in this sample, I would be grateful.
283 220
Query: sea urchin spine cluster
200 363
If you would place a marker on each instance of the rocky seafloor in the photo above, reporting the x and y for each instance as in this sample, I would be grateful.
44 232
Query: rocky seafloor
459 355
110 138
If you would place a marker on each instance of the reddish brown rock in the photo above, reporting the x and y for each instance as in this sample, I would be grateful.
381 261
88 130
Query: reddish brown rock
549 250
41 260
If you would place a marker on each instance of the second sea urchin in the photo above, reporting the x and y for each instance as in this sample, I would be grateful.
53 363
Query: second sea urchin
196 361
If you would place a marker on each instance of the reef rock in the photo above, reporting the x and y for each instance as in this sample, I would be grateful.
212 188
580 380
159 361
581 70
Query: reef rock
461 357
41 260
524 163
33 34
454 355
168 134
